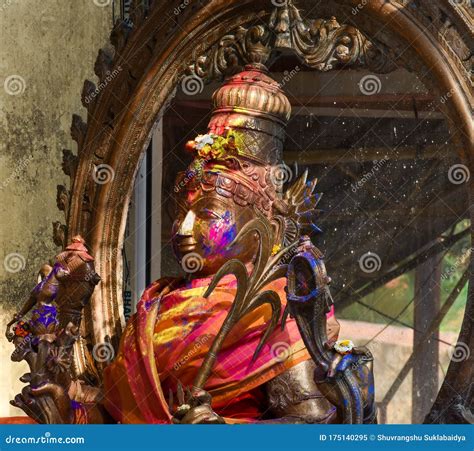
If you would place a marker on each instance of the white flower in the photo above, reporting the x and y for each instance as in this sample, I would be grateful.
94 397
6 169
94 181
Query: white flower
202 140
343 346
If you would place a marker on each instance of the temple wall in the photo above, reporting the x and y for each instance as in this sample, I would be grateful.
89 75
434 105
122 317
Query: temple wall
48 48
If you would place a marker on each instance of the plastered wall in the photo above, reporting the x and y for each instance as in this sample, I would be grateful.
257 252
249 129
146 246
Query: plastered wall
47 49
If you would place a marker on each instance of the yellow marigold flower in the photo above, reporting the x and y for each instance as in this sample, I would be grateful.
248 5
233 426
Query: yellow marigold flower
205 151
276 248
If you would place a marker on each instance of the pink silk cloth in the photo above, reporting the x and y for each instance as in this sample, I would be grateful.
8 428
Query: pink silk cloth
167 340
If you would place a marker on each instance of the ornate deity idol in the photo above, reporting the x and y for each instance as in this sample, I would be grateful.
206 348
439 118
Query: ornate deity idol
250 334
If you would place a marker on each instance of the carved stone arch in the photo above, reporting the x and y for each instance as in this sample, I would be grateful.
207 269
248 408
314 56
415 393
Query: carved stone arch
139 75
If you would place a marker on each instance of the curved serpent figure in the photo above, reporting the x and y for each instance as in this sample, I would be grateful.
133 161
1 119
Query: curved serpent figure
345 378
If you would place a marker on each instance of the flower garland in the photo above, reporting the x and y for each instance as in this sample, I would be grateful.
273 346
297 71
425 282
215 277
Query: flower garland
214 147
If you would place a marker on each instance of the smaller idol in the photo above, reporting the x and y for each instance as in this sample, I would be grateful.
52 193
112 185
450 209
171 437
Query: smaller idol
46 340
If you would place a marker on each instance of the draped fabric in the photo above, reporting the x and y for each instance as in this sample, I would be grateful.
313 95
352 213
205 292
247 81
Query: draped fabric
17 420
166 341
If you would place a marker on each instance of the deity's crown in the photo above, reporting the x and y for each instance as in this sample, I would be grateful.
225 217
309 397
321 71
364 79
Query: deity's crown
244 141
240 157
253 105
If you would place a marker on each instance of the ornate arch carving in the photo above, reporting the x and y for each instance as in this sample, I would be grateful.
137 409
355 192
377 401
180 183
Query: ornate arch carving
139 73
321 44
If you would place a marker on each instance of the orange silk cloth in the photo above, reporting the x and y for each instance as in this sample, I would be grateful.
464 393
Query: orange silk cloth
166 341
17 420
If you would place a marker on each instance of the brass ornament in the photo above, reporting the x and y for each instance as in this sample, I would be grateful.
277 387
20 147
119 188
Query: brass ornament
46 340
321 44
